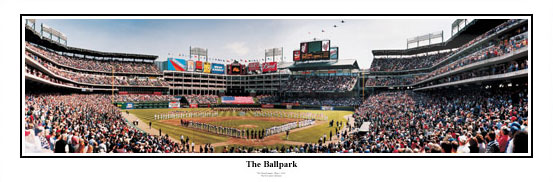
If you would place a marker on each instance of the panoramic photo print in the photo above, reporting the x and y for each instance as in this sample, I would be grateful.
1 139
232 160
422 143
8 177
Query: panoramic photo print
326 86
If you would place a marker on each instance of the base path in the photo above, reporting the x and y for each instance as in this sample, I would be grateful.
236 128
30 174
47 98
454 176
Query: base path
145 126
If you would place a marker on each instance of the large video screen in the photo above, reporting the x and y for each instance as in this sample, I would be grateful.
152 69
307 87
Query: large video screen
313 47
316 50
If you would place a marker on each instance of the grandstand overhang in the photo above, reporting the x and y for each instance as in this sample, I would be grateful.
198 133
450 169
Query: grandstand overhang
327 65
33 36
468 32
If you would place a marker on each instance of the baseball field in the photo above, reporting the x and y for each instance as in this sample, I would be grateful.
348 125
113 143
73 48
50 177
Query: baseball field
238 120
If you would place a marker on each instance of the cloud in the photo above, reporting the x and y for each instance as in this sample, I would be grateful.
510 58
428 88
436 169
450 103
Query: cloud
238 48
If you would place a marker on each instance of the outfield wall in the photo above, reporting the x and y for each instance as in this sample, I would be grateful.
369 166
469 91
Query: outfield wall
164 104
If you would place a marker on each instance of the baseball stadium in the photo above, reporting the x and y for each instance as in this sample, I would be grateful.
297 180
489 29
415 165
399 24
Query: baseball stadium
465 94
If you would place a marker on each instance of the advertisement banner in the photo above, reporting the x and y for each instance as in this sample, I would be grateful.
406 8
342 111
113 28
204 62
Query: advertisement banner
199 66
269 67
267 106
326 45
334 53
217 68
203 58
176 64
297 55
207 67
193 105
253 66
129 105
303 47
190 65
235 69
327 108
174 104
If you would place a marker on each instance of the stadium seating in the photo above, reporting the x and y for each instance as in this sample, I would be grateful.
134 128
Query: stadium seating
87 124
97 66
389 81
144 98
318 84
402 64
100 78
201 99
501 47
406 120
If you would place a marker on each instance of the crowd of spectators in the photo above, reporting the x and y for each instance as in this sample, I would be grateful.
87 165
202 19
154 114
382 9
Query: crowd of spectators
389 81
400 122
493 70
267 99
102 79
201 99
406 122
96 65
144 98
499 48
453 122
402 64
324 101
85 124
320 83
39 74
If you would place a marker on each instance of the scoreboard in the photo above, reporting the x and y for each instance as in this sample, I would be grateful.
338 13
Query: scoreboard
315 50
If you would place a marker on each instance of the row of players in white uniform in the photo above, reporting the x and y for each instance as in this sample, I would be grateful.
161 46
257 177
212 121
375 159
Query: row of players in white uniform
296 115
279 114
288 126
234 132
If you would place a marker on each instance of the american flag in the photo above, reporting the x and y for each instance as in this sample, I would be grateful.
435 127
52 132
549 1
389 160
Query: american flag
237 100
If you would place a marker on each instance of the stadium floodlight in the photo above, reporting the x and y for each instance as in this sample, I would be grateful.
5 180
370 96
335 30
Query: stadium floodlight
427 37
52 34
458 25
30 23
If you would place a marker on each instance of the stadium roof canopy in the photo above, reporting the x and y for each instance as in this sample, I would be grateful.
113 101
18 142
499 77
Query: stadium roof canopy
469 32
34 37
340 64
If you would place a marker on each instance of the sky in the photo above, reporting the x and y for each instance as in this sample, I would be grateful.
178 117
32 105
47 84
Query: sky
243 38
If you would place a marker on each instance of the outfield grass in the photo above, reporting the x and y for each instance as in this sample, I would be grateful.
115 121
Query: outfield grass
312 134
309 135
